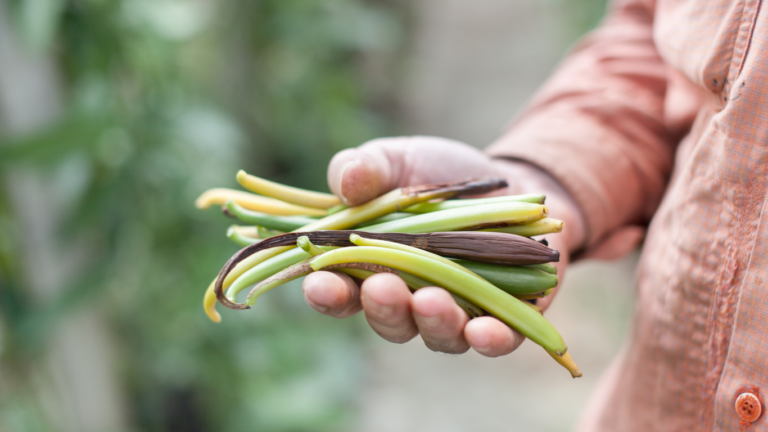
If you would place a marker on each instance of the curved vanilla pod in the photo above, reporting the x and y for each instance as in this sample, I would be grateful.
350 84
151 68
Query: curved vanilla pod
286 275
307 246
277 223
246 260
302 268
515 280
549 268
474 289
235 233
285 193
458 203
220 196
413 282
208 301
540 227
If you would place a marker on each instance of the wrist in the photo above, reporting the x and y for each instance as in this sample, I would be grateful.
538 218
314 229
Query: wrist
524 177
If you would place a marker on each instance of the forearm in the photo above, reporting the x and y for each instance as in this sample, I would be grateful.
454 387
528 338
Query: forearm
598 126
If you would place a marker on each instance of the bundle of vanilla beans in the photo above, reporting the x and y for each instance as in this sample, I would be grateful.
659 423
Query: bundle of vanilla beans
480 250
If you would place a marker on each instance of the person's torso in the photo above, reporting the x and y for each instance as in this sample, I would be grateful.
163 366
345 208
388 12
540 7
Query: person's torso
700 335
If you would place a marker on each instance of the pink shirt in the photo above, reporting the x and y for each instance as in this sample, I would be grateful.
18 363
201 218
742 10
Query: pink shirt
661 115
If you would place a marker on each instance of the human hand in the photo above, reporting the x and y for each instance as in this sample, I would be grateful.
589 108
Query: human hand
397 315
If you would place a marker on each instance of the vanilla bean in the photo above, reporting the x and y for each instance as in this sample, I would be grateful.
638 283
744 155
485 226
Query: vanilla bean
488 247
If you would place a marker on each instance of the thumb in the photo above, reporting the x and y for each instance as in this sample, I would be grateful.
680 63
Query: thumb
360 174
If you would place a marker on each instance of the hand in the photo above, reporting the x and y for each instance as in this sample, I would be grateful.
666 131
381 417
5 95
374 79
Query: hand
397 315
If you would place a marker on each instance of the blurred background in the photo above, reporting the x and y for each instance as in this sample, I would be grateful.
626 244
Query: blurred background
115 115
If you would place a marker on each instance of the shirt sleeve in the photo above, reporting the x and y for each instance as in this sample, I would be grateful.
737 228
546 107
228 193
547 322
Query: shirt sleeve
598 125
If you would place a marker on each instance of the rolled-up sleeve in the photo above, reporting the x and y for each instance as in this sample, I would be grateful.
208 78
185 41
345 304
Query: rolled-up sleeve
598 124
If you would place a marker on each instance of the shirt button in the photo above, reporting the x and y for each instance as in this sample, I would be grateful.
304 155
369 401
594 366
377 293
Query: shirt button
748 407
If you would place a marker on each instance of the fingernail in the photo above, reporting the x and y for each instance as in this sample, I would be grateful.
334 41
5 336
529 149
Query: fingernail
317 307
481 342
341 180
432 321
378 308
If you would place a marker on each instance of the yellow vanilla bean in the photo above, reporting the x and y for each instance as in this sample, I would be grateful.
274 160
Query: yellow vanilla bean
287 193
567 362
540 227
220 196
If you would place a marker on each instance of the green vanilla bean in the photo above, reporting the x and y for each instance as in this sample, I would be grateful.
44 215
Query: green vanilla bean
240 239
337 208
506 308
277 223
285 275
512 279
265 233
446 220
546 267
391 202
458 203
413 282
534 295
466 218
307 246
540 227
386 218
362 241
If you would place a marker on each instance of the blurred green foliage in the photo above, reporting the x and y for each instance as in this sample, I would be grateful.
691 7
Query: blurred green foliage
164 99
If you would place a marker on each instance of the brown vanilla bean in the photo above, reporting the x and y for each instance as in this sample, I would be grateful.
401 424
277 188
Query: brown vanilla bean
488 247
469 187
